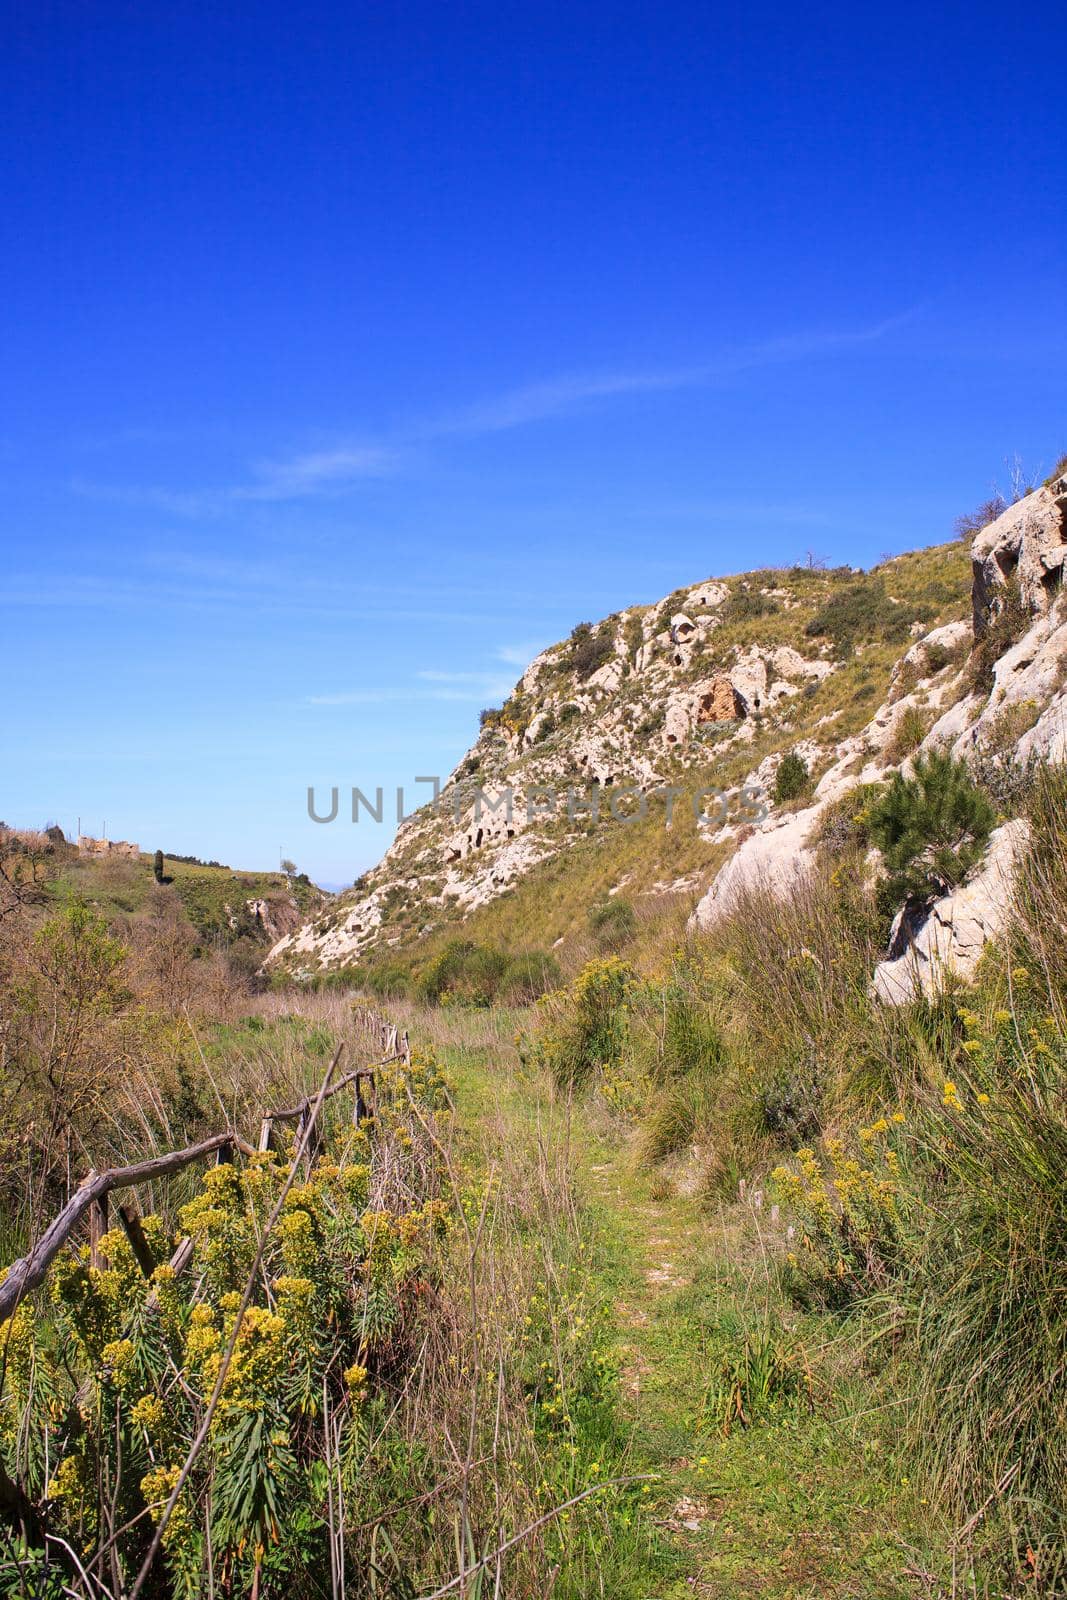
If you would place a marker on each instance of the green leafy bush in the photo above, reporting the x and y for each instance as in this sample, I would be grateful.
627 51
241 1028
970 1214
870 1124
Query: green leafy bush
582 1028
114 1383
846 823
587 650
464 972
792 779
864 610
747 605
612 922
844 1202
527 976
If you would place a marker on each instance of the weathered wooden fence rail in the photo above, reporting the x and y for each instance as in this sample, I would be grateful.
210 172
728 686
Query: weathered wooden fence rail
91 1197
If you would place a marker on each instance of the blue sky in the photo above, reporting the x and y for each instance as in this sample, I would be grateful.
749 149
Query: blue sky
353 352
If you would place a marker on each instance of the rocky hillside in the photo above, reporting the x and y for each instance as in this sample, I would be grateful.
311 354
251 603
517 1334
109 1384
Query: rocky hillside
672 720
41 870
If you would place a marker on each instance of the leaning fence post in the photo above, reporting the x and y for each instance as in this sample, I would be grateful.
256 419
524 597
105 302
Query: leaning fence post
131 1226
266 1128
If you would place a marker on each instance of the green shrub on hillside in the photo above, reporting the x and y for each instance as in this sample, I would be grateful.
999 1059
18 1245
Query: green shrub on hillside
466 973
612 923
1004 628
863 611
747 605
528 976
931 828
909 731
846 823
792 778
680 1061
588 649
844 1202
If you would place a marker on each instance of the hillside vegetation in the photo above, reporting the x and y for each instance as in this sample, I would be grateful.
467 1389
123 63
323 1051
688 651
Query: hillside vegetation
807 656
702 1226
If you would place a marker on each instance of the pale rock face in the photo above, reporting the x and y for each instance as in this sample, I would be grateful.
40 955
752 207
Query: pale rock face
336 944
1028 542
501 870
534 670
1025 544
950 942
677 720
708 595
277 916
698 704
950 638
607 677
771 861
789 663
749 678
1032 674
603 745
493 821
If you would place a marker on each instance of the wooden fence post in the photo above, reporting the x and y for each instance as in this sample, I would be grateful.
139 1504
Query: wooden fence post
97 1229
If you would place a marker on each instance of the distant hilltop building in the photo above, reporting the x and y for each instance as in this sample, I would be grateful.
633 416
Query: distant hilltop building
108 847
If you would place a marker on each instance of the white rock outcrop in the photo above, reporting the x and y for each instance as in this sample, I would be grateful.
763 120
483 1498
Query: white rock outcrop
951 940
1026 544
772 860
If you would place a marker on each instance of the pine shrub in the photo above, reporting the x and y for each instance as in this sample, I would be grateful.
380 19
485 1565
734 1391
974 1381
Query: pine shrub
931 828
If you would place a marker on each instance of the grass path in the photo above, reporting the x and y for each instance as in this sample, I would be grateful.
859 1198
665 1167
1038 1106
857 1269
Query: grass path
805 1502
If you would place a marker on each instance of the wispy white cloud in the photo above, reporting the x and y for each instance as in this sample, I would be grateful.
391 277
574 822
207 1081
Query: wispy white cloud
538 402
409 696
319 470
434 683
337 468
435 675
520 655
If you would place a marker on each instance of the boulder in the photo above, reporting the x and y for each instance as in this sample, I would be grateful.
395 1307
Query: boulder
771 861
708 595
789 663
951 940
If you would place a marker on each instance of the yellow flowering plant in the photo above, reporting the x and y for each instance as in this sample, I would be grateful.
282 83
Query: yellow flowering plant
102 1397
843 1202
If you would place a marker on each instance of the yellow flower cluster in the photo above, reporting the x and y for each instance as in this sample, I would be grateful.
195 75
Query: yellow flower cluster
845 1204
356 1382
147 1413
157 1486
71 1484
118 1359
